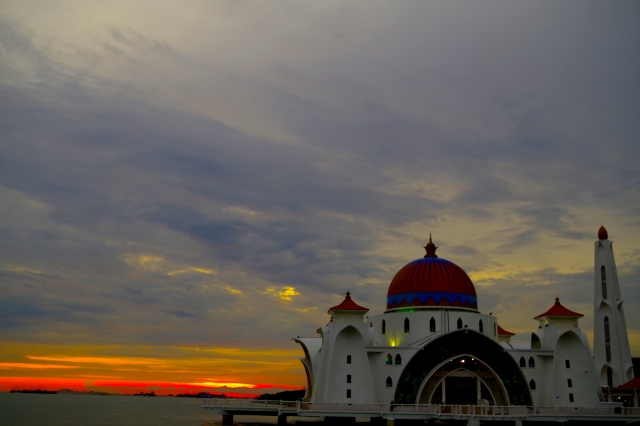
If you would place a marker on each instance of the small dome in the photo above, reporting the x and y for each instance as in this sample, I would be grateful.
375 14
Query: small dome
603 234
431 282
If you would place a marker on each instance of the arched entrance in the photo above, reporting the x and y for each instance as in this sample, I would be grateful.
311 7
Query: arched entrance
454 345
463 380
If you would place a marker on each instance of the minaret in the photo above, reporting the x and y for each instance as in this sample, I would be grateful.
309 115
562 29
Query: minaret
612 355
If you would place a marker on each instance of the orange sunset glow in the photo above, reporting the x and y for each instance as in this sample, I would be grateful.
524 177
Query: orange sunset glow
236 372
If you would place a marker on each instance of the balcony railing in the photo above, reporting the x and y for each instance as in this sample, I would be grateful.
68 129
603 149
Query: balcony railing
429 409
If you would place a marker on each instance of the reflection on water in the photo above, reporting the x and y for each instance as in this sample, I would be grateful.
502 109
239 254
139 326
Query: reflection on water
18 409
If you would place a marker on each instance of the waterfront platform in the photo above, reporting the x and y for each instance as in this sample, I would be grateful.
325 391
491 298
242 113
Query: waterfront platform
610 413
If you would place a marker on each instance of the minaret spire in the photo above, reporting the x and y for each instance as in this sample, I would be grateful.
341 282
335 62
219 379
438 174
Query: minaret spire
612 355
431 249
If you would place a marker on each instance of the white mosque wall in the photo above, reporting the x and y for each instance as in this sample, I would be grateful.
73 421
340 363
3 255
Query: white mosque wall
533 368
344 339
350 376
393 333
574 378
343 372
545 389
312 348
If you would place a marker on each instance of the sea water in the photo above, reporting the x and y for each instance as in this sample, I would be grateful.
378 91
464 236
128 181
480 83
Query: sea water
25 409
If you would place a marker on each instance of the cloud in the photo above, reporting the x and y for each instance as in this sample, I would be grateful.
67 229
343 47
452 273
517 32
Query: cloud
14 365
110 361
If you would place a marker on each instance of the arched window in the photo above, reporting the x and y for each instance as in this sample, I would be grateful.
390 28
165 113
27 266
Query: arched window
459 323
480 327
389 359
532 362
532 385
607 339
389 382
432 325
398 360
603 275
406 325
609 377
384 327
523 363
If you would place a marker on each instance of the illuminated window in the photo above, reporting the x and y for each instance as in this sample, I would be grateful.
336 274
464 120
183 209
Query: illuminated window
532 362
348 359
389 382
523 363
384 327
432 325
532 384
348 378
389 359
459 323
406 325
398 359
603 275
480 327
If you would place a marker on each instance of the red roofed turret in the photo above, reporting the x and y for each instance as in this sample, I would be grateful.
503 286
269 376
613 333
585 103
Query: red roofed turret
557 310
348 305
503 332
632 384
504 335
603 234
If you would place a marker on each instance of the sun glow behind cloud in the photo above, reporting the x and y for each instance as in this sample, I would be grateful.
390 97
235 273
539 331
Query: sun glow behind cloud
283 293
225 385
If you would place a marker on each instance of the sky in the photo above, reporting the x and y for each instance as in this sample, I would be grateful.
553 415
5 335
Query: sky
185 186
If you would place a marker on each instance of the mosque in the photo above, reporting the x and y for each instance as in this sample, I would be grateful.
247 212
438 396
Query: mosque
432 345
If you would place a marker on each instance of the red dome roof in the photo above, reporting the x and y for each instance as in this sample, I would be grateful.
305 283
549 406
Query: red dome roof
431 281
603 234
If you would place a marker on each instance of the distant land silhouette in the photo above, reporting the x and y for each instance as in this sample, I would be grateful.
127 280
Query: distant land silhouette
291 395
